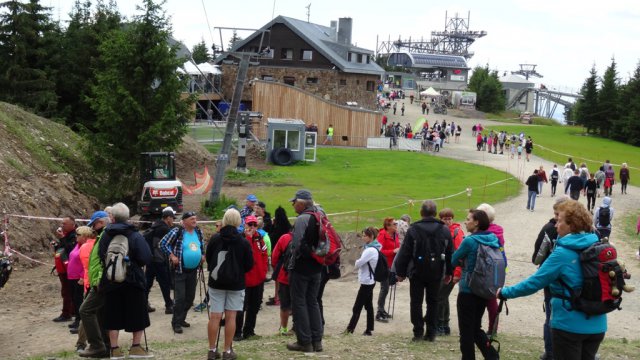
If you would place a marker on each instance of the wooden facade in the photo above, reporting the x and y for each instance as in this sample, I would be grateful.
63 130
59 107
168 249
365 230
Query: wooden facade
352 126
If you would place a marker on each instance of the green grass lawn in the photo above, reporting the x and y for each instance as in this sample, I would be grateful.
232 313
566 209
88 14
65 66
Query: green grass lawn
370 185
398 346
564 141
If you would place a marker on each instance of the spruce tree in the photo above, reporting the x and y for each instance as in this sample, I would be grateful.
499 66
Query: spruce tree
608 103
137 99
630 109
488 89
200 53
587 107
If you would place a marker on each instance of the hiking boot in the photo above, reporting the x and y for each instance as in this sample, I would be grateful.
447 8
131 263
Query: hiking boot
447 330
73 331
440 331
546 356
252 336
317 346
168 310
237 338
380 317
213 355
430 337
177 329
116 354
229 355
416 338
80 347
91 352
367 333
74 324
185 324
296 346
62 318
150 308
137 352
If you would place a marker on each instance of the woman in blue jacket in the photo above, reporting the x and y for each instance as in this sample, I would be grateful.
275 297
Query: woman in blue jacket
574 334
470 306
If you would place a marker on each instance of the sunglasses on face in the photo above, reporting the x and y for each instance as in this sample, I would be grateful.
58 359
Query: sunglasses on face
252 224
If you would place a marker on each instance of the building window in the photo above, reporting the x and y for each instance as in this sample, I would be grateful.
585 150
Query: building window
343 82
349 57
306 55
312 80
286 54
267 53
360 58
289 80
268 78
368 59
286 138
371 85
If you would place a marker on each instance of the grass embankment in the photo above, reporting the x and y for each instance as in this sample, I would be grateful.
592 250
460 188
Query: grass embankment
513 117
513 347
371 185
560 142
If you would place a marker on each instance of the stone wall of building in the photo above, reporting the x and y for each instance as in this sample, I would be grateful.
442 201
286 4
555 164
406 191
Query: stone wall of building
332 85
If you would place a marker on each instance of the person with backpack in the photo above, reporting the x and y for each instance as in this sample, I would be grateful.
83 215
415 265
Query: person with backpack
366 264
62 247
185 249
610 179
158 269
304 275
471 306
574 185
428 246
575 334
254 281
554 176
281 276
602 218
545 242
123 249
229 258
591 190
390 244
584 176
446 215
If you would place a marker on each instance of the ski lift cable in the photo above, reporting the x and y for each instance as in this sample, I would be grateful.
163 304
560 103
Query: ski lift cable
208 24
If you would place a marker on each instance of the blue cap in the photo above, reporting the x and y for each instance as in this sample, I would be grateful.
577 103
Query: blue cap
252 198
96 216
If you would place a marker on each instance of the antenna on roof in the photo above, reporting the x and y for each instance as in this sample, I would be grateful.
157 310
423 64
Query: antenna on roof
308 11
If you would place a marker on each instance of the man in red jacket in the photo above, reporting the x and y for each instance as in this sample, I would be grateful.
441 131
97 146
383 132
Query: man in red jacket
446 215
254 280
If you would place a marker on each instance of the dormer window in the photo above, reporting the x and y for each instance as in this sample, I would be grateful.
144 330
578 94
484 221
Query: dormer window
306 55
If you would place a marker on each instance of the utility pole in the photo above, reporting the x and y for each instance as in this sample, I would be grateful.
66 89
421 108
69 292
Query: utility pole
223 156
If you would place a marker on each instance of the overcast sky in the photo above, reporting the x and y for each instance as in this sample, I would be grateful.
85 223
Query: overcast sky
563 37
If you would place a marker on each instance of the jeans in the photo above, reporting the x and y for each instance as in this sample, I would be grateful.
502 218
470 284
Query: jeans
540 183
184 293
66 294
246 320
160 272
363 299
443 303
417 289
575 195
531 200
470 311
382 295
304 307
91 314
572 346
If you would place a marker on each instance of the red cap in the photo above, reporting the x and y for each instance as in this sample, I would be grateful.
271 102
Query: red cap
250 219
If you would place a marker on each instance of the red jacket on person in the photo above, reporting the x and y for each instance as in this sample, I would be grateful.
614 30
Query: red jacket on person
389 244
258 272
457 240
281 246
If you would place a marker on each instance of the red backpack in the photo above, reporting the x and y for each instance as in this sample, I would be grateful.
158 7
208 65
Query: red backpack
329 242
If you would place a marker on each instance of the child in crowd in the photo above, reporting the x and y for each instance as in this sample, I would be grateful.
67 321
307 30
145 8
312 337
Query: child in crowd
519 151
367 261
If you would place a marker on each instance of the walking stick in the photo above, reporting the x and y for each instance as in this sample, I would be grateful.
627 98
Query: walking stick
493 332
393 309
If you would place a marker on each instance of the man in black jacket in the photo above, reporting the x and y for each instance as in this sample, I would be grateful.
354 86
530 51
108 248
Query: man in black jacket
304 276
425 257
532 186
574 185
63 246
125 302
159 267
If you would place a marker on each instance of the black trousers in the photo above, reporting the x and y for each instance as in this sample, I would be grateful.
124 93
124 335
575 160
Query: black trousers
572 346
419 291
77 294
363 299
246 320
591 201
304 307
324 279
184 293
160 272
470 311
554 186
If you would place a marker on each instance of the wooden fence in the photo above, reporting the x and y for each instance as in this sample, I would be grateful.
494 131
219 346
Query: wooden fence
352 126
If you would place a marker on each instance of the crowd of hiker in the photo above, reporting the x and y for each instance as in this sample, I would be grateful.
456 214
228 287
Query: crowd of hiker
109 267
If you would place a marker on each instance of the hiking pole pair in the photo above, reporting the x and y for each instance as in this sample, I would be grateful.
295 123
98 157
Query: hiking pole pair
392 304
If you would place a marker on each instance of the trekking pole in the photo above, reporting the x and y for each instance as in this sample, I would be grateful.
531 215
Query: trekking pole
393 309
493 332
146 345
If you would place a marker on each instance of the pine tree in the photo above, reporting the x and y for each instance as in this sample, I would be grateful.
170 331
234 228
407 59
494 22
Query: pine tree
234 39
137 99
630 109
608 102
24 52
200 53
488 89
587 107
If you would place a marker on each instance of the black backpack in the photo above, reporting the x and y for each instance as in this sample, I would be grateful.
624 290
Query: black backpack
428 262
381 273
227 271
604 216
555 175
